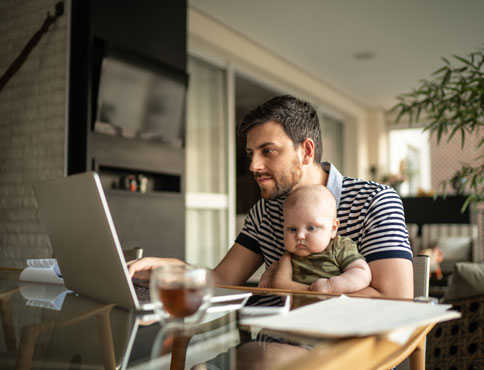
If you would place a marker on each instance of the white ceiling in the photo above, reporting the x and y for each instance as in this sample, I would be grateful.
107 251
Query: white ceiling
408 38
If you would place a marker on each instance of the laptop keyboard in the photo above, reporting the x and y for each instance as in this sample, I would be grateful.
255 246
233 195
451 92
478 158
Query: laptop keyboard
143 294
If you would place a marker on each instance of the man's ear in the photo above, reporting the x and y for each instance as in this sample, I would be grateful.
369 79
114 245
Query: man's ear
308 154
334 229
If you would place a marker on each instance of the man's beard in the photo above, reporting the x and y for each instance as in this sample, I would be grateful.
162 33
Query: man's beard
283 183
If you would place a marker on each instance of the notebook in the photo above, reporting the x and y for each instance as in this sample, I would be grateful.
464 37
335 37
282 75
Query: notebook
85 243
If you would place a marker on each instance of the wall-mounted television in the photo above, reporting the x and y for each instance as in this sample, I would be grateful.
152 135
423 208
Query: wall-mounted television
139 98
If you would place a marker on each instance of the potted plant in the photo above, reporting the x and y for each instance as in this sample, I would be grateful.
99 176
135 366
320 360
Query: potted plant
452 102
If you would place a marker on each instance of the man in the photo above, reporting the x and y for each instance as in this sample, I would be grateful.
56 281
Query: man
285 148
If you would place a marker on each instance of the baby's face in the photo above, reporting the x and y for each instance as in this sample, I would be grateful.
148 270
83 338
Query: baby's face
308 229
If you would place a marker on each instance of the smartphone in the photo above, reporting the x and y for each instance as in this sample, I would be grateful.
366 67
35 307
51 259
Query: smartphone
266 304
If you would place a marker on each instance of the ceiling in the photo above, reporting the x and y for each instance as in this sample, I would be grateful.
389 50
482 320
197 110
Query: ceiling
407 38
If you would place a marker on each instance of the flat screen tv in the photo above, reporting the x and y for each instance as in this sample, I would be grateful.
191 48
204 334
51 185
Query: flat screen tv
141 99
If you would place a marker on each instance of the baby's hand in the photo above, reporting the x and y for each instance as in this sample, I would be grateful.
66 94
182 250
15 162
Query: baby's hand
321 285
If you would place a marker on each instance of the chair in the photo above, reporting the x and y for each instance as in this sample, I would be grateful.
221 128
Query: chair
416 354
459 344
132 254
413 237
458 243
421 273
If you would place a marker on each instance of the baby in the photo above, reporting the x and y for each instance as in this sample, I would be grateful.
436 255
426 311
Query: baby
321 260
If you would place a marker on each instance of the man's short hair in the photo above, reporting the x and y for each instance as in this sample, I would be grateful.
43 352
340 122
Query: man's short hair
298 118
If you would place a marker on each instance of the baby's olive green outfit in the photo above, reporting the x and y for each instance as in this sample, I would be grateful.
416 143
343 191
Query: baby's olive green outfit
340 252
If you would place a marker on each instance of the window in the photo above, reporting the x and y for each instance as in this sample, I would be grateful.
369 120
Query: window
206 165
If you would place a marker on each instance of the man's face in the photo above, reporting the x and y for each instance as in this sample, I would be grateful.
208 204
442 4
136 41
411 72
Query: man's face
275 162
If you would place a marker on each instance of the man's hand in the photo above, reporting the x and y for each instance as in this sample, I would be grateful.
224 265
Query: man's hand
141 269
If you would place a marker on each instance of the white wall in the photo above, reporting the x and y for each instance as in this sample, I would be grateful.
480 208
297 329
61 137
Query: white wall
377 142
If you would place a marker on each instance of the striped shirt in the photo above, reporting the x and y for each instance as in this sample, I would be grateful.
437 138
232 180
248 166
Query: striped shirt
370 213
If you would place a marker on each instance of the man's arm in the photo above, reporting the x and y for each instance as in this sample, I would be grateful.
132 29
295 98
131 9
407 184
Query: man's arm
391 277
237 266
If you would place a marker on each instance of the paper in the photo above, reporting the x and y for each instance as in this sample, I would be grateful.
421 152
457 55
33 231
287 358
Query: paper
345 316
44 295
42 271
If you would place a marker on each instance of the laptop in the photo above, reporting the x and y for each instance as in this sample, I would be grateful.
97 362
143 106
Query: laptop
85 243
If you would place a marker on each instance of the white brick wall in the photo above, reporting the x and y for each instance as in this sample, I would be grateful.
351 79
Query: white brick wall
32 124
447 157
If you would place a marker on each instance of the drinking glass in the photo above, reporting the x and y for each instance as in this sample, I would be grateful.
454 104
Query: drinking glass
181 295
179 292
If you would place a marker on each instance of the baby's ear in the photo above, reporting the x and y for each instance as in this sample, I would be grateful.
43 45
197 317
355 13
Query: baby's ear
334 229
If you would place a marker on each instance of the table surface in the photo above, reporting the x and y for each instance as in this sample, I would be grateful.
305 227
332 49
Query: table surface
95 335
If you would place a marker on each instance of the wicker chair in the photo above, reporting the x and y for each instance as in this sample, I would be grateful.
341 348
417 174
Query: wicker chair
458 344
132 254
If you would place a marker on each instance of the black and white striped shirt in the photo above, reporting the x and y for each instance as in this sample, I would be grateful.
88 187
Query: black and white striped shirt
370 213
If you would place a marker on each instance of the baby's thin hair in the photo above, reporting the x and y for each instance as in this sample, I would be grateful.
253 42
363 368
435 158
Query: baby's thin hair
309 192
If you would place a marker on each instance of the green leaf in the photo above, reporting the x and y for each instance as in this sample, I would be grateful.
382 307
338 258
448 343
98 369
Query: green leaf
417 116
453 101
446 77
466 203
440 70
465 61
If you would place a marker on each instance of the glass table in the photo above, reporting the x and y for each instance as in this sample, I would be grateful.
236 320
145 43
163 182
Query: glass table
45 327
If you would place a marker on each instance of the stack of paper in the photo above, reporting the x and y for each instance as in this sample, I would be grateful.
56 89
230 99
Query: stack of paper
49 296
345 316
42 270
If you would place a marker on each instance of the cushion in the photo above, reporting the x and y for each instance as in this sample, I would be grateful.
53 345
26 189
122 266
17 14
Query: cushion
467 281
455 247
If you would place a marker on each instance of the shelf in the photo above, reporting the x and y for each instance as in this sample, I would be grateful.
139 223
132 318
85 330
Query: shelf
119 179
124 192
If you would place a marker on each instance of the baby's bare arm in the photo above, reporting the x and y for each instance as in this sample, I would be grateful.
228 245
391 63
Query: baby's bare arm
356 276
282 278
266 278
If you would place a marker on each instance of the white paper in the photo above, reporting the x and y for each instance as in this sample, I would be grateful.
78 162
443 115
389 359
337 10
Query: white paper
44 295
345 316
42 270
40 275
42 262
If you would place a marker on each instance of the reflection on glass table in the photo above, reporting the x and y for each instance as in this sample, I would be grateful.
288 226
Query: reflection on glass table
79 333
219 342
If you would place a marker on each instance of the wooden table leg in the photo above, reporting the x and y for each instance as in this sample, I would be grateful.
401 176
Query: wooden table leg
179 353
417 358
7 322
28 337
106 336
